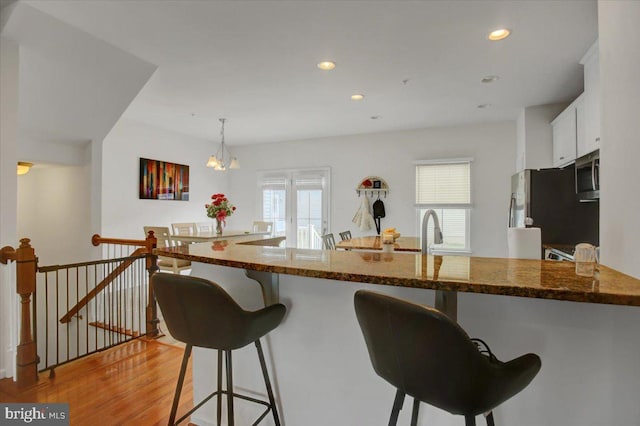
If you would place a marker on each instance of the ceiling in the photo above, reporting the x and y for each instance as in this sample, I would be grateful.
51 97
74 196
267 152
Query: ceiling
418 63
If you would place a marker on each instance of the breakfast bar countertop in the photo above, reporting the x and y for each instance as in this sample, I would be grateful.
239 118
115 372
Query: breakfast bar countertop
543 279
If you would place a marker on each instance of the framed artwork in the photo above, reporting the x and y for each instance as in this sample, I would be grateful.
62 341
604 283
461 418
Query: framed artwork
377 184
160 180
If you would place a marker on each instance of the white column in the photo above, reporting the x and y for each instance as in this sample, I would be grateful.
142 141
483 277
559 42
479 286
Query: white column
619 45
9 67
95 160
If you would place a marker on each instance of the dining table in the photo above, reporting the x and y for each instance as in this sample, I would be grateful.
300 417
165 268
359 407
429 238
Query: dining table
204 236
374 242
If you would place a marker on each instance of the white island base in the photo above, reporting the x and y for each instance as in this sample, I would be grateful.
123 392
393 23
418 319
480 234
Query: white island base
322 376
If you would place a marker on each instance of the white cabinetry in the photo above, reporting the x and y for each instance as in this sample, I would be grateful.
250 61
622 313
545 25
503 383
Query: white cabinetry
566 133
580 127
534 136
591 64
576 131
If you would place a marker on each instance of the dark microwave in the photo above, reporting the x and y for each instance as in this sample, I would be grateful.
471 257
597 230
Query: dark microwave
588 177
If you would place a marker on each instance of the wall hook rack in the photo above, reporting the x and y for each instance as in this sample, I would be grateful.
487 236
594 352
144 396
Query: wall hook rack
373 186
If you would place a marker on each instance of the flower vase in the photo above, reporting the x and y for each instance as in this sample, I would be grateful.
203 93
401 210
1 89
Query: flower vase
219 227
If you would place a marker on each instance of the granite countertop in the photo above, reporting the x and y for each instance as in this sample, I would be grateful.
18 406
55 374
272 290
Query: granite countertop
513 277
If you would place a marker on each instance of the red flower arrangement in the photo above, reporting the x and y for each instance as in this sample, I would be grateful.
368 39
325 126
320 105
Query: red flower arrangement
219 245
220 208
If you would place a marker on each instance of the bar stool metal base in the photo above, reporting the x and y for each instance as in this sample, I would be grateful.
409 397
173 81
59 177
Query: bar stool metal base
398 402
271 405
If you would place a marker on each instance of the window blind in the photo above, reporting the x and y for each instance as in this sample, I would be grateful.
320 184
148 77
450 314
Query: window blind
273 182
309 182
444 184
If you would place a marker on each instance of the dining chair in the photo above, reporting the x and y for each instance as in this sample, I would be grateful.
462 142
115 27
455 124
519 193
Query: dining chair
426 355
163 239
259 226
205 227
328 242
187 228
346 235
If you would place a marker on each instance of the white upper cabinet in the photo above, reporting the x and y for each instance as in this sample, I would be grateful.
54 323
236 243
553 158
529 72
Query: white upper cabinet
591 64
576 130
565 135
580 126
534 136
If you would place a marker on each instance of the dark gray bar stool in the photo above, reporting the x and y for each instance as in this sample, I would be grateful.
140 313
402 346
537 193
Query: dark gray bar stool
427 356
200 313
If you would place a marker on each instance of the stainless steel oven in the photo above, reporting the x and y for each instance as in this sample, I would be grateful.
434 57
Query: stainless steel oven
588 177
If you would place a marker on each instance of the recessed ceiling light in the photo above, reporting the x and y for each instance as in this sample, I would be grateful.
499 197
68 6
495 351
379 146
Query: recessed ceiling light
326 65
483 106
357 97
499 34
489 78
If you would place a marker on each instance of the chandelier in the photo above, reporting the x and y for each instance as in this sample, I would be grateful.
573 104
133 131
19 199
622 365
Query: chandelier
223 160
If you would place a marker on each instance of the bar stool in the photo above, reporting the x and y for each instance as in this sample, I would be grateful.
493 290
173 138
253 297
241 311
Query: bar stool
200 313
425 355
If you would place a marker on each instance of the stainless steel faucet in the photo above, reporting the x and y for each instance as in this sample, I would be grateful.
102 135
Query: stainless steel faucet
437 232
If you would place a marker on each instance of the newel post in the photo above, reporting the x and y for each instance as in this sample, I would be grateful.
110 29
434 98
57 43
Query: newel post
152 268
26 264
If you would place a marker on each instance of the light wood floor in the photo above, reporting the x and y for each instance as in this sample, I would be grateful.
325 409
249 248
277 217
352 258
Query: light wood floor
132 384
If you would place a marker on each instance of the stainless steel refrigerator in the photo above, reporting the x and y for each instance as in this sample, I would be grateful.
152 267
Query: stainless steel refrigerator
547 199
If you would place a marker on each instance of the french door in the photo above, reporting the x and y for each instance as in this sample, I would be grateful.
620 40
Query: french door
297 202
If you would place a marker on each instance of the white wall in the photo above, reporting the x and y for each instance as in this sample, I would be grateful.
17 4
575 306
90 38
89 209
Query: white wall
53 211
390 156
123 213
620 150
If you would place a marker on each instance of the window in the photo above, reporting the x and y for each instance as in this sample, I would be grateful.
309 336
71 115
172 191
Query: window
445 187
297 202
274 207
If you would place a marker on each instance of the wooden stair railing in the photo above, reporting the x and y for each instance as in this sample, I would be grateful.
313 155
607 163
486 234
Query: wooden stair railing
26 264
26 267
105 282
116 329
146 246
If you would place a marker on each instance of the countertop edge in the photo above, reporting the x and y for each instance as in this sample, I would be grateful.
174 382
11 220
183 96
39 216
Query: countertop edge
425 283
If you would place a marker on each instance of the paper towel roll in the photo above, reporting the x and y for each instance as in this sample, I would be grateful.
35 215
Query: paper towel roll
524 243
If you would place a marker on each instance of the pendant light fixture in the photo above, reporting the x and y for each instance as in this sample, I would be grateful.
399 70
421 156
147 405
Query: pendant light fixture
24 167
223 160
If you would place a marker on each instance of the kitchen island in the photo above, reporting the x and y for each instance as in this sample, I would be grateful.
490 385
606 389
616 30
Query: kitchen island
320 366
502 276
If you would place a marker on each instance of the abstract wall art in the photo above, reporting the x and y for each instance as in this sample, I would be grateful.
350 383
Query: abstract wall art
161 180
